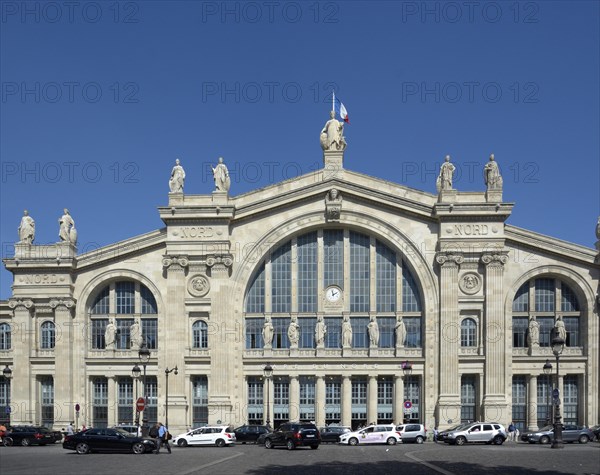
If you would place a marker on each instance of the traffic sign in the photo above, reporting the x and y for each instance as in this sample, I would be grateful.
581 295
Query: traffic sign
555 393
77 407
140 404
407 404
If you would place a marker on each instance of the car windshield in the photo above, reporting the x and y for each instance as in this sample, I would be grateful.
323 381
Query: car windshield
546 428
124 433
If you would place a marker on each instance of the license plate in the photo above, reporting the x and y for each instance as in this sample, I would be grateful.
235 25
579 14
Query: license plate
309 436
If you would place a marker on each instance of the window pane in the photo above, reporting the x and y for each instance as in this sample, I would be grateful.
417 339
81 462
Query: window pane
520 328
546 326
467 398
468 332
386 278
360 338
97 333
413 332
100 402
544 295
255 301
280 328
519 401
5 336
101 303
333 259
199 401
569 301
150 332
521 301
572 327
254 338
386 331
411 301
48 336
200 334
123 333
148 301
255 400
307 332
359 272
307 272
333 337
281 272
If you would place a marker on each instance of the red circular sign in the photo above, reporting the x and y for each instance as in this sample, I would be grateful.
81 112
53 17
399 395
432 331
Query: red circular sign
407 404
140 404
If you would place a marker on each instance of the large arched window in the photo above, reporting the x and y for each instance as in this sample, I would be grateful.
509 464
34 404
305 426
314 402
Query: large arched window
48 335
333 271
5 336
132 308
544 299
199 335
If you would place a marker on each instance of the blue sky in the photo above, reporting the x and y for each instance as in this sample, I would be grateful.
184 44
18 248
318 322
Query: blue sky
100 98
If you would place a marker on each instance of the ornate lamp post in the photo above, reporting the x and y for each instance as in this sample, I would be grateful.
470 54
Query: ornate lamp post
548 372
135 373
167 372
558 345
268 372
144 355
407 370
7 373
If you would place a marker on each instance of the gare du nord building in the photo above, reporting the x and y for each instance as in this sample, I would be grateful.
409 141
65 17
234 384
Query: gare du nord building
401 279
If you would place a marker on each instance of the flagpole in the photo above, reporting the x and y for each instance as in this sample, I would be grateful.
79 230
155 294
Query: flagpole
333 101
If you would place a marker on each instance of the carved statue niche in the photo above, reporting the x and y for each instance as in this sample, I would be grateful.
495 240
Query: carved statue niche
333 205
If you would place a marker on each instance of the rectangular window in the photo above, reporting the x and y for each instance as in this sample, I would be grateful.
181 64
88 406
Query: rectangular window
570 400
519 402
333 400
572 327
281 279
385 401
359 272
468 333
410 292
360 337
359 401
546 326
569 301
413 332
467 398
125 401
123 338
307 398
4 398
254 338
544 295
255 400
125 297
47 406
386 278
386 331
199 401
307 272
150 332
151 411
97 330
307 332
412 393
544 400
521 301
280 328
333 337
255 300
333 258
100 402
281 401
519 331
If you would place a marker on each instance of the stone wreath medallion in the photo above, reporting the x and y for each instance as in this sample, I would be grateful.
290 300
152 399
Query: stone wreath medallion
470 283
198 285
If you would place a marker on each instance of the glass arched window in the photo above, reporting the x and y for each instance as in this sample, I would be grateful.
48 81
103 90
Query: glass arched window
132 308
200 334
545 298
365 274
5 334
48 339
468 332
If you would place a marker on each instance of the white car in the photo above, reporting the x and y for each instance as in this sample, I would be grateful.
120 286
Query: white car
207 435
374 434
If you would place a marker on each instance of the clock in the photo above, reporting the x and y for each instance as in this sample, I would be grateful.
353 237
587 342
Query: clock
333 294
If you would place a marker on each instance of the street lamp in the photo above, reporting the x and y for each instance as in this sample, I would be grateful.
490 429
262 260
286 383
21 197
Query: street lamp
407 370
167 371
558 345
144 355
7 373
548 372
135 373
268 372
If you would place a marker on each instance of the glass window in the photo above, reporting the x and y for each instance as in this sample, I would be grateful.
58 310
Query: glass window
569 301
254 338
386 332
412 393
100 402
521 300
413 332
359 400
125 401
386 278
411 301
467 398
48 335
572 327
255 400
307 398
199 401
519 402
571 399
97 332
360 336
199 334
544 414
125 292
385 400
307 332
151 411
148 301
468 332
544 295
123 338
255 300
333 337
281 276
333 259
280 328
150 332
281 401
101 303
520 328
47 406
546 326
307 272
359 272
5 336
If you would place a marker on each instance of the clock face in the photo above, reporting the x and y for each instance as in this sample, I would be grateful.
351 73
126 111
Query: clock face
333 294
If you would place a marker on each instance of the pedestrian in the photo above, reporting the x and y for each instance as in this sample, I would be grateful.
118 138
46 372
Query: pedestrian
70 430
435 434
163 438
511 432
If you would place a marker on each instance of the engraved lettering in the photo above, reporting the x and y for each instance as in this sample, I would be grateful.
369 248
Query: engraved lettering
471 229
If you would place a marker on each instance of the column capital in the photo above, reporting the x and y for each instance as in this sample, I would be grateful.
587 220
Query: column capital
181 261
27 303
449 258
68 303
223 259
495 259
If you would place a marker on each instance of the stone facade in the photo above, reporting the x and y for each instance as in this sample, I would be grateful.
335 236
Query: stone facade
461 280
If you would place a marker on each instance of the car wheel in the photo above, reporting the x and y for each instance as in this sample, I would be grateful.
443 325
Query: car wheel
419 440
353 441
82 448
290 444
460 441
7 441
314 447
138 448
25 442
182 443
391 441
268 444
220 443
498 440
544 440
584 439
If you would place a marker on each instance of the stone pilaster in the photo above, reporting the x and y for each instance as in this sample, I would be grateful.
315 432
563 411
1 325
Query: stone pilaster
372 400
64 361
320 401
294 407
346 401
497 346
22 385
398 399
532 404
113 401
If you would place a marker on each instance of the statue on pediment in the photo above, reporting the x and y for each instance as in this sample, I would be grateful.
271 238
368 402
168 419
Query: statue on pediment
400 332
444 180
177 178
346 332
110 334
67 231
320 332
221 175
491 175
332 135
267 333
533 336
26 229
373 329
294 332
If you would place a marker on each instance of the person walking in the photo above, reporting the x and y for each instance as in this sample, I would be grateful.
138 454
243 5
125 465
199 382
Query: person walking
512 432
163 438
435 435
70 430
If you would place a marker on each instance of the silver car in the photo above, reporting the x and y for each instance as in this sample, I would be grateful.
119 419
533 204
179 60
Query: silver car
478 432
570 433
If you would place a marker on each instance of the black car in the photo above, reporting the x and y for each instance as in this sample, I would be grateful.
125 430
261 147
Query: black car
294 434
107 440
249 433
332 434
596 430
30 435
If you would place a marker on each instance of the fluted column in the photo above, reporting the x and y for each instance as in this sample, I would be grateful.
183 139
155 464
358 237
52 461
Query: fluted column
294 408
372 400
398 399
22 385
532 403
113 405
320 401
346 401
63 350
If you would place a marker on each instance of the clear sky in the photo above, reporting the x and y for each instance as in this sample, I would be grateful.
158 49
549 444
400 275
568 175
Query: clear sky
100 98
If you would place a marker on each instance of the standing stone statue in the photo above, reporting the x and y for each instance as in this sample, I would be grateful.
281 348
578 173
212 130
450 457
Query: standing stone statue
135 336
221 175
534 333
294 332
320 331
373 329
560 329
332 135
67 232
346 333
400 332
444 180
491 175
267 333
26 229
177 178
110 334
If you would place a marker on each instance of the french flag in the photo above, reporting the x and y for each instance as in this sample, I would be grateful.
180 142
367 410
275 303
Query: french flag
341 109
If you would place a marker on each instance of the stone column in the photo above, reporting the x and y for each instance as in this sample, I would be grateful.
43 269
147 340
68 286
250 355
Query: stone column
449 398
320 401
372 400
294 407
497 347
346 401
398 399
113 401
268 396
532 404
64 352
22 385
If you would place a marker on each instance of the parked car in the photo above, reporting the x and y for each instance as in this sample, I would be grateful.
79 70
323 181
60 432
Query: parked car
373 434
58 435
294 434
107 440
30 435
131 428
207 435
332 434
478 432
443 435
596 430
570 433
412 433
249 433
